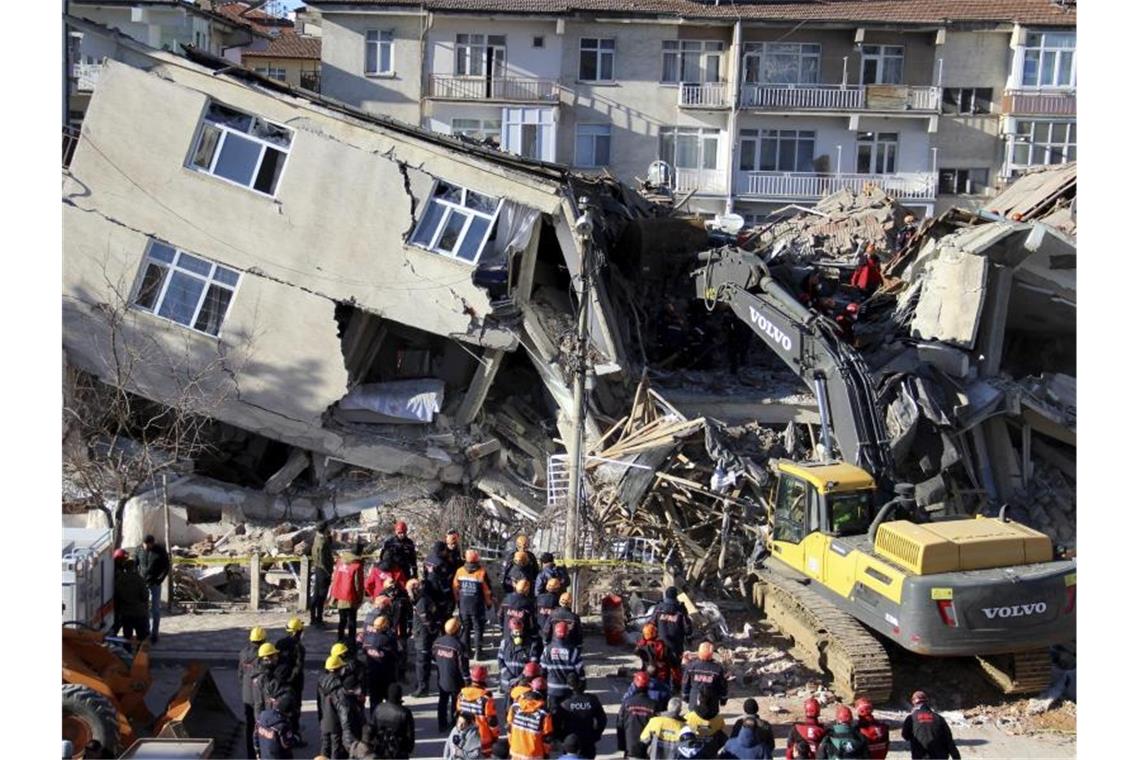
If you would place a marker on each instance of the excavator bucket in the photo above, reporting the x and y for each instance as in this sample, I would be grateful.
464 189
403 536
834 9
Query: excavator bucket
198 711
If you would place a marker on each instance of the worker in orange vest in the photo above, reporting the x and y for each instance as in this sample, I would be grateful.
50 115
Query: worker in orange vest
531 725
477 700
472 590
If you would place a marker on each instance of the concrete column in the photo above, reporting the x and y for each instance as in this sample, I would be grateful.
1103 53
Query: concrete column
303 586
255 581
480 384
991 338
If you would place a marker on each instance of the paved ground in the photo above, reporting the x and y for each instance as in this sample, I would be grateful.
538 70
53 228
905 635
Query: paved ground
217 637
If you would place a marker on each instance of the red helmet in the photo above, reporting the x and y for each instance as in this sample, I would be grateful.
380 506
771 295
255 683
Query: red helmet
401 526
532 670
811 707
863 707
479 674
538 684
641 680
843 714
561 629
119 555
919 698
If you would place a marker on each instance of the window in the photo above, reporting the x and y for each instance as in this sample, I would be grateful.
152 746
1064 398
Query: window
690 148
241 148
185 289
477 54
691 61
876 152
882 64
378 52
850 512
456 222
791 509
967 100
538 42
962 181
1050 60
483 130
592 145
1038 143
781 150
781 63
596 60
273 72
529 132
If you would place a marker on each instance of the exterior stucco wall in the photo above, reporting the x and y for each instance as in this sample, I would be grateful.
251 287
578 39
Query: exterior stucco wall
342 64
522 58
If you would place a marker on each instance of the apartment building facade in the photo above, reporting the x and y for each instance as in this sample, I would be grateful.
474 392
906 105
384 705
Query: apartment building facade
750 106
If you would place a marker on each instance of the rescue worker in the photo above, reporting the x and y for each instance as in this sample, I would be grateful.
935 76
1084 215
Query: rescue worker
516 650
322 560
654 651
381 650
130 600
559 659
393 726
477 700
247 669
546 602
293 661
580 714
347 588
637 709
276 736
464 742
154 565
842 738
353 676
400 549
425 628
564 613
663 731
550 570
383 571
266 682
529 565
704 676
521 686
519 605
809 731
450 656
472 590
401 622
455 553
340 719
530 725
381 605
876 732
658 690
673 623
119 558
927 731
437 576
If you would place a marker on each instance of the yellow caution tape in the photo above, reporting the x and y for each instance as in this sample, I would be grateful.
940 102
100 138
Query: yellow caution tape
942 593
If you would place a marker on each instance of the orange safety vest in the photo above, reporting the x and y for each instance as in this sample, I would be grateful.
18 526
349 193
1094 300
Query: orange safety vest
478 579
532 730
479 702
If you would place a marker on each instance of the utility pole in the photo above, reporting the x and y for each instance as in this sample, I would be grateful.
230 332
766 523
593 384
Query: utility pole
583 230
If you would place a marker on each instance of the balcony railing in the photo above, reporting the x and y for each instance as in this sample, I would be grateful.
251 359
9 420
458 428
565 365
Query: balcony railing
838 97
311 81
86 75
1040 102
703 95
902 186
700 180
496 88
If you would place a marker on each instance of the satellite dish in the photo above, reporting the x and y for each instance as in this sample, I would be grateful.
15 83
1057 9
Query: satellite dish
730 223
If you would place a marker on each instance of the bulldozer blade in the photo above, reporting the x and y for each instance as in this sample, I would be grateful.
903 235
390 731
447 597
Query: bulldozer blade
199 711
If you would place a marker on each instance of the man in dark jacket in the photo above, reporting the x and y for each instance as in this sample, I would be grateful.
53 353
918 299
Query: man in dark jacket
704 676
437 575
247 669
580 713
131 600
550 570
559 660
154 566
927 731
393 726
401 622
514 569
519 605
276 736
425 627
472 589
266 683
634 714
450 657
546 602
400 549
340 718
381 650
565 613
322 561
842 740
763 729
673 623
293 660
515 651
748 744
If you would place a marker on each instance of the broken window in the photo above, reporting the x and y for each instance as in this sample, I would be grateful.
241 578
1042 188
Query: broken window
882 64
962 181
240 148
596 60
592 145
483 130
378 52
456 222
1050 60
967 100
184 288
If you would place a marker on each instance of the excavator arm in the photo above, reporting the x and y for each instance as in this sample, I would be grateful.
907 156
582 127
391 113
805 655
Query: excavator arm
812 347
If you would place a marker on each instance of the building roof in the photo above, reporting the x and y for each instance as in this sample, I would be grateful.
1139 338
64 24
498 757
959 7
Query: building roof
288 44
255 17
181 4
925 12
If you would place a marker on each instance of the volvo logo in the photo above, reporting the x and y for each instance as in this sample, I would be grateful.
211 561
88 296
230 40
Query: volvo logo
1017 610
770 329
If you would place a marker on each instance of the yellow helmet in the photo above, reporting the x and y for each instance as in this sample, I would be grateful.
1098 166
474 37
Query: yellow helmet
257 634
333 662
339 649
294 625
267 650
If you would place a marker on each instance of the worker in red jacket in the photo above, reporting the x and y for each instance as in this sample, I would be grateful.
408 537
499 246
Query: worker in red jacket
347 590
876 732
808 731
381 572
654 651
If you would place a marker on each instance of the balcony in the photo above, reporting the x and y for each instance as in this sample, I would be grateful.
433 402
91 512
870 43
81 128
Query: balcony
838 97
85 75
807 185
311 81
710 95
702 181
1039 102
513 89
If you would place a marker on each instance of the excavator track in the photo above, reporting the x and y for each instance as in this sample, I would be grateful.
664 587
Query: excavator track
825 637
1022 673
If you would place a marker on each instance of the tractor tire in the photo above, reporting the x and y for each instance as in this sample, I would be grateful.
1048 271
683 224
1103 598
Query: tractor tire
88 715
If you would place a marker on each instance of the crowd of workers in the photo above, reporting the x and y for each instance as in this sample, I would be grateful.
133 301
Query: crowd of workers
436 615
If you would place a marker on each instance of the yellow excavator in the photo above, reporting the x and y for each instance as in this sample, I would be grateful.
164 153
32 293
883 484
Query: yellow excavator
848 568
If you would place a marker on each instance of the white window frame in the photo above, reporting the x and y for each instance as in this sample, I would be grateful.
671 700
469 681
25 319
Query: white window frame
760 137
702 134
272 72
1058 51
487 128
170 268
1065 149
761 51
597 47
592 132
451 208
206 124
882 53
380 38
473 50
883 148
703 49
